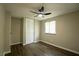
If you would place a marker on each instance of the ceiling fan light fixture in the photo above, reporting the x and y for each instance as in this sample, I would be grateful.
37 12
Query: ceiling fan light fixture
40 15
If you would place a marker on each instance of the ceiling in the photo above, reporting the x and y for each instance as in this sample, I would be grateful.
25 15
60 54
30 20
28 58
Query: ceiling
23 9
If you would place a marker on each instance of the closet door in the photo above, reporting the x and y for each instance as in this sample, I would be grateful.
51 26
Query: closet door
29 31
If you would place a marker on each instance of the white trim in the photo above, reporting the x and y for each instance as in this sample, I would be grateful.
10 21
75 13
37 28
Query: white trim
16 43
35 41
24 44
6 52
73 51
32 42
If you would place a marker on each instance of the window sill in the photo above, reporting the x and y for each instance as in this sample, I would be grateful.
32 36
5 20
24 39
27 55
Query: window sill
51 33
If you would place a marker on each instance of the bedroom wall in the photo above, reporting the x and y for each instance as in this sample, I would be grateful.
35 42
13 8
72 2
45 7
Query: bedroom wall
67 31
7 32
2 26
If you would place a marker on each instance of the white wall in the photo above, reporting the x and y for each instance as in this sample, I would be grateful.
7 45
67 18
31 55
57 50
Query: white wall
2 24
67 31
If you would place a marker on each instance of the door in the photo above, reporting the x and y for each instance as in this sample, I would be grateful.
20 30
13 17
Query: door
29 31
15 30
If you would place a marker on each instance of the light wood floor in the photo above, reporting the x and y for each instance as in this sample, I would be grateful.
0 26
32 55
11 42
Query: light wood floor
38 49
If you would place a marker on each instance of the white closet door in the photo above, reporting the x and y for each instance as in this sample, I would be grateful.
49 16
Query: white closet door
29 31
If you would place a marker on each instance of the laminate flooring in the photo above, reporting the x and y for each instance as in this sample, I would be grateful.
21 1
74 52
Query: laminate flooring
38 49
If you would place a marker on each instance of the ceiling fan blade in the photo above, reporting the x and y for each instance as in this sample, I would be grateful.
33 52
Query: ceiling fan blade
42 9
47 13
34 12
36 15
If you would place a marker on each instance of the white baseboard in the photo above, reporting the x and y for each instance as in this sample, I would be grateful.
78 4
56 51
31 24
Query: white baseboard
73 51
6 52
36 41
16 43
32 42
24 44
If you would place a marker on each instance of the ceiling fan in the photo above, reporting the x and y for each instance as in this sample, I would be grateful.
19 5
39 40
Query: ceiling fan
41 12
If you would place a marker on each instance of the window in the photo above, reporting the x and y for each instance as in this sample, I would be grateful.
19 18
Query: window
50 27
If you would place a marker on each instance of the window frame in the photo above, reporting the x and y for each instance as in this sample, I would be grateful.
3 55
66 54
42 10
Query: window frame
49 27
